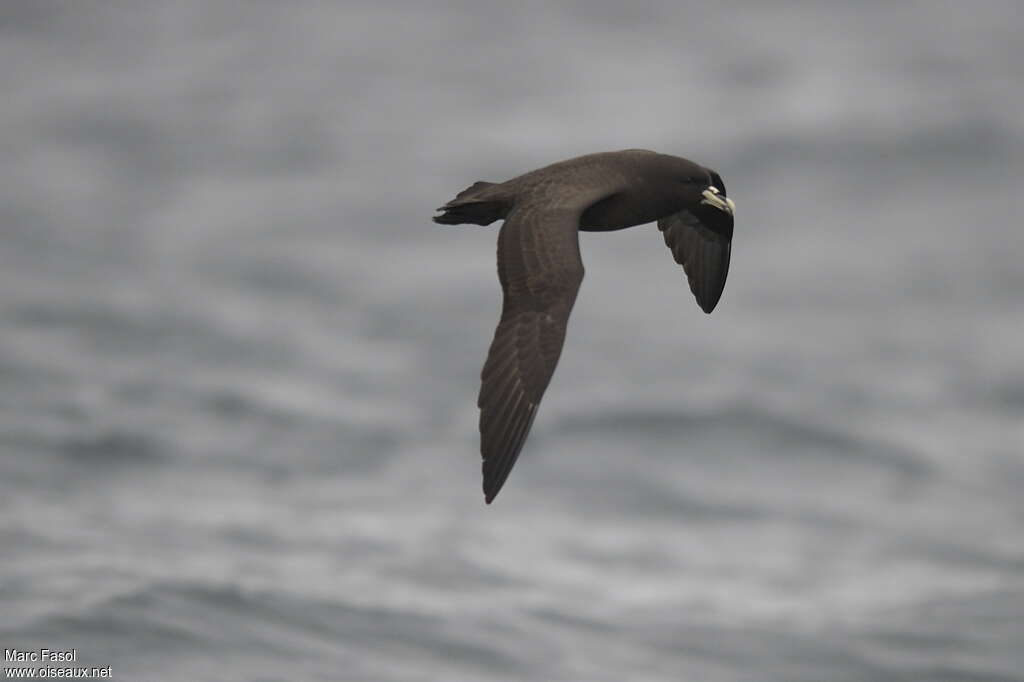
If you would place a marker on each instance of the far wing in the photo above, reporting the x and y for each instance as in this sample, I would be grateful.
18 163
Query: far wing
701 241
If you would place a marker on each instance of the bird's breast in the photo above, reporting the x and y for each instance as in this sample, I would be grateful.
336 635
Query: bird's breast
635 206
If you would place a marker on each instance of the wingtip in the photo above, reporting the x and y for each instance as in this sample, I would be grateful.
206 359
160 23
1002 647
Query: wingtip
708 301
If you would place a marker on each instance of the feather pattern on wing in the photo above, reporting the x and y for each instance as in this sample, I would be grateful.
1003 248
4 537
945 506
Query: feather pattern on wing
701 241
540 270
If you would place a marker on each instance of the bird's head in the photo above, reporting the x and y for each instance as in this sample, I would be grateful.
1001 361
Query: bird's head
714 194
701 186
704 198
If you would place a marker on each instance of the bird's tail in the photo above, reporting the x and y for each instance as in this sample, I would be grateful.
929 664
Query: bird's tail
479 204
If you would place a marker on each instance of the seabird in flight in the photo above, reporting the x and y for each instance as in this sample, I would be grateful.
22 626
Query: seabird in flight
540 268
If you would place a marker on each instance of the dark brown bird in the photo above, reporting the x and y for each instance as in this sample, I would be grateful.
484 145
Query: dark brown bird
540 268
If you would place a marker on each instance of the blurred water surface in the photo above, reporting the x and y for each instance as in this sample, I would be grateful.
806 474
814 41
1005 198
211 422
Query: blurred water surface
238 435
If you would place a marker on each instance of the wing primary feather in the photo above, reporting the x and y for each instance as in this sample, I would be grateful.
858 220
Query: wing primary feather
701 243
496 475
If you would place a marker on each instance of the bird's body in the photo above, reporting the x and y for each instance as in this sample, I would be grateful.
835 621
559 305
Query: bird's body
540 268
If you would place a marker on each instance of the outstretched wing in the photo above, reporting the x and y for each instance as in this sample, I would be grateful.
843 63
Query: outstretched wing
701 241
540 271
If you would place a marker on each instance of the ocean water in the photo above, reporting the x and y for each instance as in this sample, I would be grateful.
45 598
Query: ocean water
239 363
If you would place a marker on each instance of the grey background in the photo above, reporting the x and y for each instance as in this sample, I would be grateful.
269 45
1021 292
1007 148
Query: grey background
239 363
